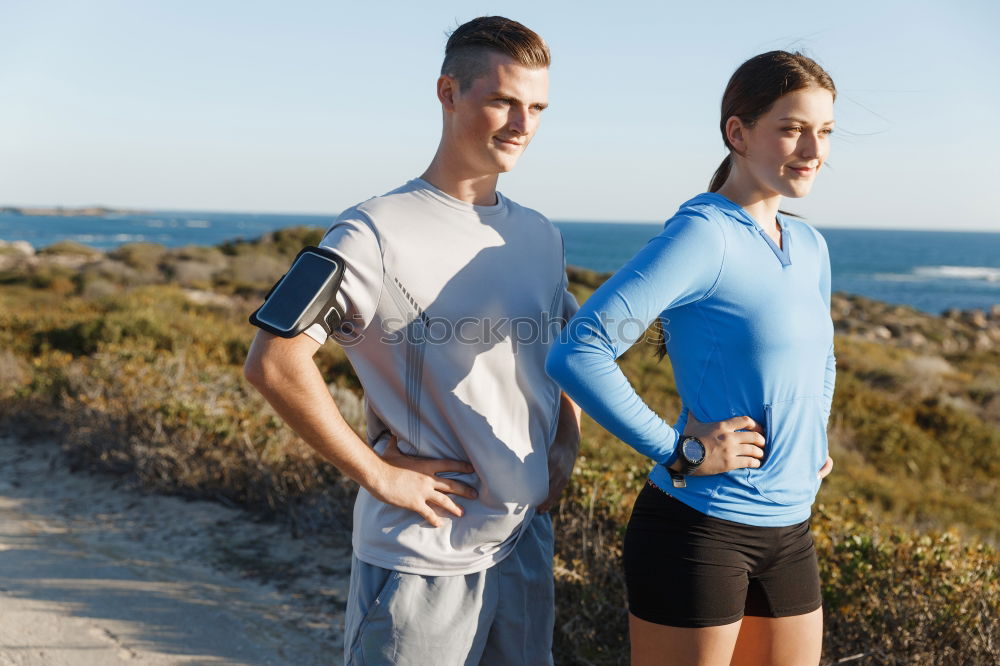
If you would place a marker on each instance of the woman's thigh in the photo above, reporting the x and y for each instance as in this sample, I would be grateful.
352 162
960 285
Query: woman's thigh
660 645
796 640
753 641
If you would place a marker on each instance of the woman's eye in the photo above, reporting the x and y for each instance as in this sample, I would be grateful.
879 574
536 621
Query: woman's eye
793 129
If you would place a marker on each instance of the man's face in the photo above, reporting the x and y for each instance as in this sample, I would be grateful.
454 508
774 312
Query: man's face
493 119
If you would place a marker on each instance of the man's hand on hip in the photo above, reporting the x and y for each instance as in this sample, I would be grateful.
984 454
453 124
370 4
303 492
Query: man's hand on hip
412 483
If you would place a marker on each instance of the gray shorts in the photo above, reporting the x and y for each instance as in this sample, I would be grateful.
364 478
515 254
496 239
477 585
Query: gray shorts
498 617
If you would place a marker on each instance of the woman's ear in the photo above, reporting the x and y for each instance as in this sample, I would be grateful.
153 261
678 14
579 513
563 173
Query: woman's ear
736 135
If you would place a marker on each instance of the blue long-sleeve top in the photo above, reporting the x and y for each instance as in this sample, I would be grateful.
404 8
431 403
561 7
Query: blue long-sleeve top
748 331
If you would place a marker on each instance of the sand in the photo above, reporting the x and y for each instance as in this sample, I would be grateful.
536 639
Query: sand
95 572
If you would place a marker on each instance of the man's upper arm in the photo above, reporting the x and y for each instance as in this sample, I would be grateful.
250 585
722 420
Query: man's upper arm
355 241
271 356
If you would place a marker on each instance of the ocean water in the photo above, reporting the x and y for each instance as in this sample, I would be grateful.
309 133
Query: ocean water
929 270
172 229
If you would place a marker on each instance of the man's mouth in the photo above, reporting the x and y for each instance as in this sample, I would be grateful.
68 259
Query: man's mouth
509 142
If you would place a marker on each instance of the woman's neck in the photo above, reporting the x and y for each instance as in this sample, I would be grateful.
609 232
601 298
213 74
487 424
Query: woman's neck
761 206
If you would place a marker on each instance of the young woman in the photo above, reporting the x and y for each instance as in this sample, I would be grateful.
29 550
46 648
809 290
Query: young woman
719 562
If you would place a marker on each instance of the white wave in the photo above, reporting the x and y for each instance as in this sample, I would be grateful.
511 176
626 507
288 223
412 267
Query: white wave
987 273
897 277
125 238
977 274
197 224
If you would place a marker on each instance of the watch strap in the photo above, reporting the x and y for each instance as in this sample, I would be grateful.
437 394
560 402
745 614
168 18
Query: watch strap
677 479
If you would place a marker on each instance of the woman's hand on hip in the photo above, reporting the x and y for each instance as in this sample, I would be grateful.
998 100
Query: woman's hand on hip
731 444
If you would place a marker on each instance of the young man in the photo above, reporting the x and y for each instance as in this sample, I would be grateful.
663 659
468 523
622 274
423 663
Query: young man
452 295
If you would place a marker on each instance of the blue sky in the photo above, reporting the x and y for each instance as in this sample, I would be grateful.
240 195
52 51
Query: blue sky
312 106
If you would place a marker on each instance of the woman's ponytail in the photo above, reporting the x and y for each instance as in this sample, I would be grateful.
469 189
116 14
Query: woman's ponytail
721 174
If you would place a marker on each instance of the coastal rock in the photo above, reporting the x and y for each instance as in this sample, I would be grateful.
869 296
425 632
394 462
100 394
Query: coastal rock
200 297
13 254
954 331
880 333
913 340
952 313
24 247
192 273
953 345
976 318
982 341
21 247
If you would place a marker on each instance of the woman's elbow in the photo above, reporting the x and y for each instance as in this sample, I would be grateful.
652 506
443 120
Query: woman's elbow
556 366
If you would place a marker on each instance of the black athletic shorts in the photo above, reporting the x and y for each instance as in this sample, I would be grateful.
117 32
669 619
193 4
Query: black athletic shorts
686 569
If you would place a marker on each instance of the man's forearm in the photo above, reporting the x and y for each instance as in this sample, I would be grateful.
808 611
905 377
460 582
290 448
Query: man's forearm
574 409
563 451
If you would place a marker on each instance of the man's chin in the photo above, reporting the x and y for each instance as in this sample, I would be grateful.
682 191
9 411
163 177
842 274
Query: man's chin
508 164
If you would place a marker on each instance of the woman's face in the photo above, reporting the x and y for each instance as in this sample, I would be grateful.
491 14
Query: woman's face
785 149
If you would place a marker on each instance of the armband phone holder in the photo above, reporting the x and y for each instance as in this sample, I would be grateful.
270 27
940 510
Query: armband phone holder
304 296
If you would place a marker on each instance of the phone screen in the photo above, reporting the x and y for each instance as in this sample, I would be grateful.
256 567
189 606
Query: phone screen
299 292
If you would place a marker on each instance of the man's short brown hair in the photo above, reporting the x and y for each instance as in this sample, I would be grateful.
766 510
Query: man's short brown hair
465 55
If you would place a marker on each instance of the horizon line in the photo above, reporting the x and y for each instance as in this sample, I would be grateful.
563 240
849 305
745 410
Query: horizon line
149 211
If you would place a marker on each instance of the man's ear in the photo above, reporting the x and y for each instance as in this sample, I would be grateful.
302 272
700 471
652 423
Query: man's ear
447 90
736 134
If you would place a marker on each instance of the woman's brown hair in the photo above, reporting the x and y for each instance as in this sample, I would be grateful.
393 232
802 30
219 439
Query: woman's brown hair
754 88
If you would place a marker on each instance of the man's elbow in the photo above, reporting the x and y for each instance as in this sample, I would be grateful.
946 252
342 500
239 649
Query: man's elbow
254 371
274 362
260 367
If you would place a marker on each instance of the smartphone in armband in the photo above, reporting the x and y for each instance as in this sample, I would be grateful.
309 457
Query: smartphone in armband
304 296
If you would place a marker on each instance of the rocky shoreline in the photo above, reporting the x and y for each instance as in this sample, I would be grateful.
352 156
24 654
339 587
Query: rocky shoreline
855 316
951 332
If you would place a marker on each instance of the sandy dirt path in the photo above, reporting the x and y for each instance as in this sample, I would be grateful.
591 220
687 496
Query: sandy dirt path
93 572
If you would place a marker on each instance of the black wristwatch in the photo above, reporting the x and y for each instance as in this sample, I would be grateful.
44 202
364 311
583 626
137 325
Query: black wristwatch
690 454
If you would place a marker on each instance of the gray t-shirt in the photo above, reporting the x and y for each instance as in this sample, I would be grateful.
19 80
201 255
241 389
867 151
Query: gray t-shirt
450 311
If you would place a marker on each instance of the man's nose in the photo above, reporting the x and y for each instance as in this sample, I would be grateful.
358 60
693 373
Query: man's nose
519 120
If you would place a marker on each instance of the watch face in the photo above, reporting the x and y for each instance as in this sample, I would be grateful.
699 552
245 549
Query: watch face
693 450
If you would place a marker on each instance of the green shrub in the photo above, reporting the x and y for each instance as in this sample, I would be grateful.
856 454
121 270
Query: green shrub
68 247
141 256
903 598
285 243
